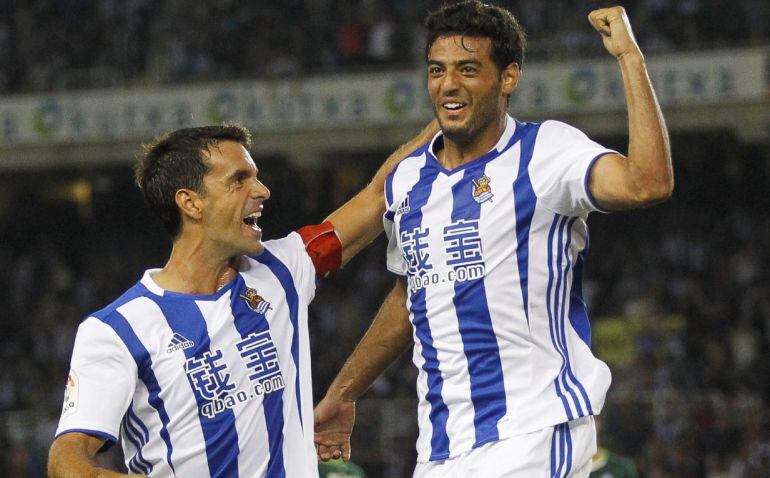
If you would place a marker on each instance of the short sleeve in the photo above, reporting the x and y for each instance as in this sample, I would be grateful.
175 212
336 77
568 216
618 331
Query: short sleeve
290 250
395 261
100 385
560 167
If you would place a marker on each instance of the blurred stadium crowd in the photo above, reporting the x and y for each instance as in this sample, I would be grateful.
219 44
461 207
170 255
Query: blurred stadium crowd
691 389
64 44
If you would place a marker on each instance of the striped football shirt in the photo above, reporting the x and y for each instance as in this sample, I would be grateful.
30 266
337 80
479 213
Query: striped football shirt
493 253
203 385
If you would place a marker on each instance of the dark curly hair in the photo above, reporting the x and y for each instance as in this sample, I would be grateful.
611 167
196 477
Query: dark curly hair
178 160
476 19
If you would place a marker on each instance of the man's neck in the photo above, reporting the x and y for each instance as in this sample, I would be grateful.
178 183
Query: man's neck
456 153
192 269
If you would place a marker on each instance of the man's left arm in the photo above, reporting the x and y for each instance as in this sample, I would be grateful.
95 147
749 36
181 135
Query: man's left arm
359 221
645 176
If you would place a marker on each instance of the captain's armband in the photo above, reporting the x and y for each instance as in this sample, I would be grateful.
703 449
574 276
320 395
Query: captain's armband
323 246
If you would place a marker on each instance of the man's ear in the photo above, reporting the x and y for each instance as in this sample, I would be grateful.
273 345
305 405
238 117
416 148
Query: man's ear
190 203
510 78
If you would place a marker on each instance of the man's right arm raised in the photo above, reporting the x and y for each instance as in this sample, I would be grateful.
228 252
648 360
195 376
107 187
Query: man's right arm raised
387 338
72 456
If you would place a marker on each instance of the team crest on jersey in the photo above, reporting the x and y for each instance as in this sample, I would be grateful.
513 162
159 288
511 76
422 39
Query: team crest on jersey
179 342
256 302
482 191
70 394
403 208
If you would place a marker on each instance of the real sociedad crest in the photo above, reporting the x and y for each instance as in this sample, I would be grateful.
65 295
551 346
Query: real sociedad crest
482 191
255 301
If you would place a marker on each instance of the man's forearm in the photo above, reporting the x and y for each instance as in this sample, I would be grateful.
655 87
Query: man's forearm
645 176
387 338
649 151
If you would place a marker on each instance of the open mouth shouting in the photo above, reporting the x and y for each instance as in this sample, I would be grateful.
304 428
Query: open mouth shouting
251 221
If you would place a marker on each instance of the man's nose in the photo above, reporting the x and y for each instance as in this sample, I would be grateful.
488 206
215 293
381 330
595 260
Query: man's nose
259 190
450 83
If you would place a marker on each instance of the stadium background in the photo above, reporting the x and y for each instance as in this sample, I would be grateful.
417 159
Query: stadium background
679 293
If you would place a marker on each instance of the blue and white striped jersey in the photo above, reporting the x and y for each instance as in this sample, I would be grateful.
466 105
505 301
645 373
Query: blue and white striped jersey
204 385
493 254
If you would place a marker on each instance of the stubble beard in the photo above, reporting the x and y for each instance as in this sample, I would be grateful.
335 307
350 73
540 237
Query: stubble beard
484 114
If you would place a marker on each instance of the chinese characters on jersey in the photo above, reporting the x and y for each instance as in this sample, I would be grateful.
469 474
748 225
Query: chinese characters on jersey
463 255
209 375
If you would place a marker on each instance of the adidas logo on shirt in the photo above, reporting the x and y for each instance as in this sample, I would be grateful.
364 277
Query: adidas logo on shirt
179 342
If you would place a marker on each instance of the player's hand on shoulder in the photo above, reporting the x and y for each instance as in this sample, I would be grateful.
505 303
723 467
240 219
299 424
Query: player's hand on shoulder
612 23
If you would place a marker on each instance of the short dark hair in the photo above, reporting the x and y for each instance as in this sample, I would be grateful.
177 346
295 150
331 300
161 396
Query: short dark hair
178 160
476 19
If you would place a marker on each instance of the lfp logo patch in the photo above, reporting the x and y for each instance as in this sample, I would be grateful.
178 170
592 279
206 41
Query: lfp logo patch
70 394
255 301
482 191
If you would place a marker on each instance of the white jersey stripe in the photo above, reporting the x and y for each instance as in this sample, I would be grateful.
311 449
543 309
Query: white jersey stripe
439 412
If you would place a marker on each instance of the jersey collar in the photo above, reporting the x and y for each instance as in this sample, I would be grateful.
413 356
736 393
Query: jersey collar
502 145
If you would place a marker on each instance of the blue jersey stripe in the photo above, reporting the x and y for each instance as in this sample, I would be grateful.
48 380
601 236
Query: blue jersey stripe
389 188
144 367
561 284
439 412
578 310
141 433
568 439
557 443
281 272
476 331
221 438
551 319
135 438
141 426
247 322
571 375
524 204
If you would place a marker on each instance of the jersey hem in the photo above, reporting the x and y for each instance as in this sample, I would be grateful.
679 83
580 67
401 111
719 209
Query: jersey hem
513 427
110 438
396 271
587 178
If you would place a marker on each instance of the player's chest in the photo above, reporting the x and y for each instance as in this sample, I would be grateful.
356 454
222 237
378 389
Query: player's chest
455 221
221 352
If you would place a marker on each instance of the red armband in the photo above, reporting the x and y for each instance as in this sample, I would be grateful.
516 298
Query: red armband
323 246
